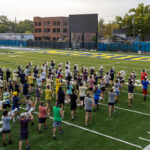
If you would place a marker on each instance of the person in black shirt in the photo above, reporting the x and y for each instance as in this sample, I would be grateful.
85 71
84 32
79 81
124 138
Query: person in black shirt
1 73
73 106
112 72
25 90
130 93
52 64
16 87
61 96
22 77
35 71
8 73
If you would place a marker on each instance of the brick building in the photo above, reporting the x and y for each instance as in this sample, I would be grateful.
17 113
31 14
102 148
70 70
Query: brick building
56 29
51 28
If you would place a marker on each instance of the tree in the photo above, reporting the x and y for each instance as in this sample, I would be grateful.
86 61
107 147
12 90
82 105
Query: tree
136 21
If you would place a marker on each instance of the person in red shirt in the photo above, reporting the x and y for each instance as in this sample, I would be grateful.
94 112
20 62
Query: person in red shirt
42 116
143 75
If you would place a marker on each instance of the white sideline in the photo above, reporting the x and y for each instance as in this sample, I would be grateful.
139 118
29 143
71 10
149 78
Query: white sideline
98 133
147 147
144 139
148 132
134 111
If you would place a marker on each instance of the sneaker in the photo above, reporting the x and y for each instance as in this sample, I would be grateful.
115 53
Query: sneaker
4 144
61 133
72 118
27 147
54 137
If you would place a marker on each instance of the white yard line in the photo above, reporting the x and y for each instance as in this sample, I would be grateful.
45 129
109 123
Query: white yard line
134 111
95 132
148 132
135 93
144 139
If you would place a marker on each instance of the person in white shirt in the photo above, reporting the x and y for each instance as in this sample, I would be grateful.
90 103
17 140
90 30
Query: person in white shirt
82 93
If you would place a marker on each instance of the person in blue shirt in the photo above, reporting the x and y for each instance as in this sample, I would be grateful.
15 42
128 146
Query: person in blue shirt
15 101
145 84
97 93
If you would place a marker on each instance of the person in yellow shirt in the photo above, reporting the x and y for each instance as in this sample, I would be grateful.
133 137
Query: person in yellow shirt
58 84
31 81
48 96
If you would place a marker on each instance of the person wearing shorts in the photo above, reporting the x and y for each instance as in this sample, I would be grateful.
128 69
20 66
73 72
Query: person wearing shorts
130 93
31 81
6 128
145 88
88 109
42 116
111 101
58 113
97 93
82 90
73 104
24 133
6 98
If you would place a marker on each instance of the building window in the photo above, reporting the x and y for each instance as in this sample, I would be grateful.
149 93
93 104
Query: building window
54 30
36 30
65 30
48 23
36 38
39 38
65 23
37 23
54 38
40 30
40 23
46 30
58 23
45 23
54 23
58 38
58 30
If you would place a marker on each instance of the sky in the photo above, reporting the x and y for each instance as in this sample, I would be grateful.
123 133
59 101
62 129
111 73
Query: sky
27 9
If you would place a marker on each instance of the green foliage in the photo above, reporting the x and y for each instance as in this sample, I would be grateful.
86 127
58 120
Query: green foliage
7 26
136 21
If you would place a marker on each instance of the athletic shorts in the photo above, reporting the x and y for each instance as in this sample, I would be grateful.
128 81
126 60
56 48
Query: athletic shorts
144 92
130 95
82 98
23 136
117 92
49 101
107 85
8 131
88 110
90 89
56 124
111 104
96 101
103 89
6 105
42 120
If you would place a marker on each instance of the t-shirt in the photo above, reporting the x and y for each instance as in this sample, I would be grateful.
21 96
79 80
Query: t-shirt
56 112
1 83
73 99
15 102
48 94
25 89
107 79
24 126
6 126
6 97
38 80
130 88
88 103
91 83
82 90
145 85
69 90
117 87
111 98
97 94
143 75
67 73
30 79
42 112
8 73
22 77
43 75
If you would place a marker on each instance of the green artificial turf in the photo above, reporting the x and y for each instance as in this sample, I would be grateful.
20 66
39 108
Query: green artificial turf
124 125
